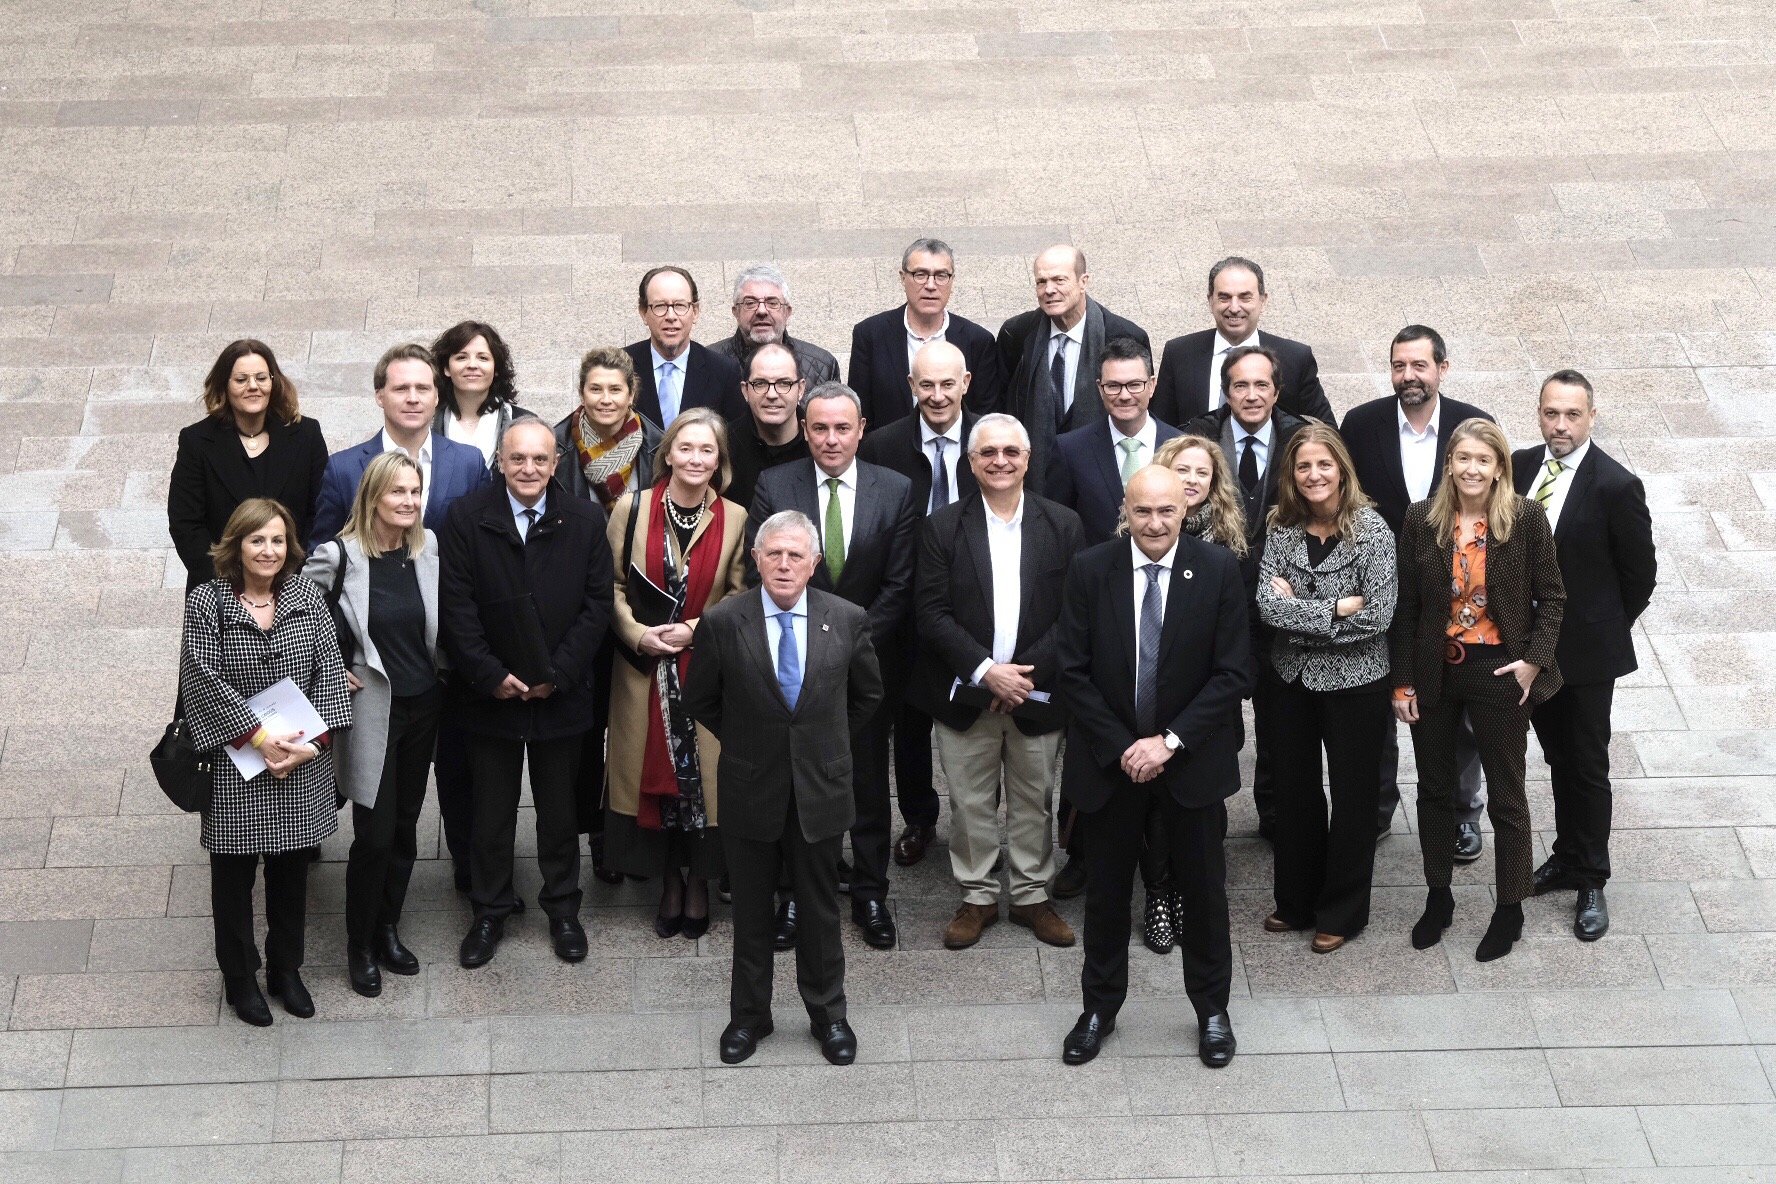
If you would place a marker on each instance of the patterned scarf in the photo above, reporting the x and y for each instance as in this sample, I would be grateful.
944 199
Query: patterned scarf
607 463
1196 523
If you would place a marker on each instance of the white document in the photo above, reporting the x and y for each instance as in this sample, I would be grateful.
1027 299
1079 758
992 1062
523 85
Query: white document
282 709
1039 696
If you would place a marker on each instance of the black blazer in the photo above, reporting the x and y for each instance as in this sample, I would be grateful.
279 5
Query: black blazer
1086 475
1023 348
897 447
1183 389
770 752
708 379
878 573
1372 433
1604 540
1217 426
212 477
879 366
953 601
1205 650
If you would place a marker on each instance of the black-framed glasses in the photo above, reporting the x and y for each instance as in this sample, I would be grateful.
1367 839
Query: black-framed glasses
753 304
925 276
678 308
1114 389
783 386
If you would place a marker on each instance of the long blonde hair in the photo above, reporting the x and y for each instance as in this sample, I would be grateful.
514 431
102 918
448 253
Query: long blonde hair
379 475
1501 503
1291 508
1227 518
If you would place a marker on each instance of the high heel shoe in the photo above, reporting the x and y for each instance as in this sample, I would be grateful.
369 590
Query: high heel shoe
1501 934
694 927
1439 912
665 927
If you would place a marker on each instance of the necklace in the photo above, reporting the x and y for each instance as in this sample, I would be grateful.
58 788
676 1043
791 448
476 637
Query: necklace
254 603
672 512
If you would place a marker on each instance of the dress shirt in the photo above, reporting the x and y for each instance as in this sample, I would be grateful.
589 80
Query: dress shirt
1140 585
1075 343
847 498
952 436
1218 355
484 435
774 630
1260 451
1562 484
681 369
519 510
1418 453
916 342
424 460
1148 436
1005 551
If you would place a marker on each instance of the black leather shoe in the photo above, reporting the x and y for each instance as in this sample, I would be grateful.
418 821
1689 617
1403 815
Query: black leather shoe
1427 931
1552 877
875 922
1215 1043
392 954
569 938
360 965
910 847
740 1041
1593 919
785 937
1501 933
288 986
838 1043
1069 881
1087 1038
248 1003
1468 843
481 941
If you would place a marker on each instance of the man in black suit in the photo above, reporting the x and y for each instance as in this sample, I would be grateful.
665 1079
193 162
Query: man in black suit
988 595
883 346
786 678
928 449
867 523
1190 368
1604 538
1398 445
761 317
672 372
770 431
1052 352
1155 656
1092 464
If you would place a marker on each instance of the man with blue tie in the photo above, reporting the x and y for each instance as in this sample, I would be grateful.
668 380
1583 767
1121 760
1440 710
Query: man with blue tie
673 372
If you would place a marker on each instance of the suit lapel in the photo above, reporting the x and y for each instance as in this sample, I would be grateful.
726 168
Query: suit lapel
1122 606
230 459
1578 495
278 456
974 537
965 482
1106 456
1180 597
1033 550
819 647
752 634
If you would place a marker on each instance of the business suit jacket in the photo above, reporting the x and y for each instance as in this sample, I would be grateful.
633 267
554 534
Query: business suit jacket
706 379
456 470
1086 475
1183 390
1604 541
1205 651
212 477
879 366
1524 597
897 447
1023 348
954 602
772 754
1371 432
1217 425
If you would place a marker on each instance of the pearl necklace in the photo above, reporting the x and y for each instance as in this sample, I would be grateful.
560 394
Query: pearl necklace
681 523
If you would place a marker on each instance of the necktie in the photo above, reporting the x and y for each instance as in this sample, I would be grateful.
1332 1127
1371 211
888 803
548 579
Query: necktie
1147 664
835 531
668 393
1057 377
1545 491
940 476
1131 458
530 520
1249 465
789 662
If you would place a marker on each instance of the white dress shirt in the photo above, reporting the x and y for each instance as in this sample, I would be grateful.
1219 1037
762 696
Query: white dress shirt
1165 583
681 370
1005 551
915 342
1075 343
424 459
1218 355
774 629
1418 453
521 512
847 499
1562 484
952 450
484 435
1260 449
1147 437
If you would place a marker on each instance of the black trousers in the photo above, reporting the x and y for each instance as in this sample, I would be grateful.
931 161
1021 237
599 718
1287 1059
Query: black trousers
286 910
870 834
1156 851
912 767
753 871
1264 713
1199 865
456 791
589 786
1574 729
497 764
1323 868
384 840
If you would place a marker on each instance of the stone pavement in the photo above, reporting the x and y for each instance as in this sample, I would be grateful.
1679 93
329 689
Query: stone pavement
1550 182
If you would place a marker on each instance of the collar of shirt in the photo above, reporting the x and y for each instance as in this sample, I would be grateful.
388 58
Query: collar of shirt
518 507
1222 345
1148 435
1430 431
942 331
1263 434
847 479
660 359
1569 462
799 608
425 450
1165 561
1015 522
927 434
1076 334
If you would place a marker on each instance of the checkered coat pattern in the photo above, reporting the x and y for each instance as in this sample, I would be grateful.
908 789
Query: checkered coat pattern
219 670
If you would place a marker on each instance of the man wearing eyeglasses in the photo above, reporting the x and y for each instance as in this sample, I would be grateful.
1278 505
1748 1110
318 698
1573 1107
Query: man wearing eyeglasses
1093 464
883 346
672 372
769 433
761 317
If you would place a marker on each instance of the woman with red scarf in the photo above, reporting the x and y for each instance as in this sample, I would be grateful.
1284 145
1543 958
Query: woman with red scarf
685 539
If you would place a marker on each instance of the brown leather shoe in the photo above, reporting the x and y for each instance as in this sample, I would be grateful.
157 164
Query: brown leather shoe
966 926
1042 920
1325 943
1275 924
910 847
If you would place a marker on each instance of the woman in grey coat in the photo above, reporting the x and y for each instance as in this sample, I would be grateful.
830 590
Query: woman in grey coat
1327 585
383 572
257 623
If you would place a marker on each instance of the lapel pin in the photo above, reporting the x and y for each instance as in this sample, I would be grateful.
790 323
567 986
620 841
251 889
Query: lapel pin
1188 574
826 628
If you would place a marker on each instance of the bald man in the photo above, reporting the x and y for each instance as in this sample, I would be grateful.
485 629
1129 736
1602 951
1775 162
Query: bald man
1156 601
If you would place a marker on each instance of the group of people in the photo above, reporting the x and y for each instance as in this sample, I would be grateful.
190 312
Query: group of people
718 602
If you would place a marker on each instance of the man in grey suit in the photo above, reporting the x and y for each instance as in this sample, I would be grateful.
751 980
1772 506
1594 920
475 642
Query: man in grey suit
786 679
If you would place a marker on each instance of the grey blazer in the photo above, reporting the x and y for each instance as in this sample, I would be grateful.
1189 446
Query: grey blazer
1313 645
361 750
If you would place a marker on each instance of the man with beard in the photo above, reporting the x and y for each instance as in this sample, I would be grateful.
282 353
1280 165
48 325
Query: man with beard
770 432
1398 446
761 317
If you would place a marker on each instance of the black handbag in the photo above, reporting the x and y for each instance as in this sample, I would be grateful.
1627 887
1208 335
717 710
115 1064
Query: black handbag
181 769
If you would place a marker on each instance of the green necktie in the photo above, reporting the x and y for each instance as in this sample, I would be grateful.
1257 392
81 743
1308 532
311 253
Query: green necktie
835 531
1545 491
1131 462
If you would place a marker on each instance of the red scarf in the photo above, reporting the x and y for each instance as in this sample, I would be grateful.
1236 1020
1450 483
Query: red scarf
659 778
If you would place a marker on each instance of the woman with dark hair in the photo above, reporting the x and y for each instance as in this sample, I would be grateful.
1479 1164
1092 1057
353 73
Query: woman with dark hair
477 386
255 624
251 442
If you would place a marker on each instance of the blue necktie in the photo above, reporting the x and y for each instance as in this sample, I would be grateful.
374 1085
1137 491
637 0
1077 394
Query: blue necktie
1147 662
668 393
789 663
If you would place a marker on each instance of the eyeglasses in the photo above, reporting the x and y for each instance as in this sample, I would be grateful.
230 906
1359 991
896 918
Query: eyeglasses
782 386
1009 452
753 304
1116 388
678 308
923 277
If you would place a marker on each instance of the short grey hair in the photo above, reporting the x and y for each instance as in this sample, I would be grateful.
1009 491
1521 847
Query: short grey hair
499 445
998 419
931 246
784 520
832 390
768 273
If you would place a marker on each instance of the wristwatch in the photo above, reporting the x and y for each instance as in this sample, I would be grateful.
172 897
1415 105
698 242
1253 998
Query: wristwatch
1173 744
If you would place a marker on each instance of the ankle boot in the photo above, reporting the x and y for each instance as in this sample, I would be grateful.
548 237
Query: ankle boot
1439 912
248 1003
360 965
1501 934
392 954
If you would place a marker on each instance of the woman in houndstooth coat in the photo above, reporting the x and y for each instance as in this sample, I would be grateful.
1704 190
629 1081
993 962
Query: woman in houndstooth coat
257 623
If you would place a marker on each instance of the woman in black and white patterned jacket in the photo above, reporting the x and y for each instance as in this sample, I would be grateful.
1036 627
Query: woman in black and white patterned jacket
1327 586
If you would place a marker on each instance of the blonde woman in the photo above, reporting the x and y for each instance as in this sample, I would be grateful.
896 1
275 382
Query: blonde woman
1481 602
384 566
